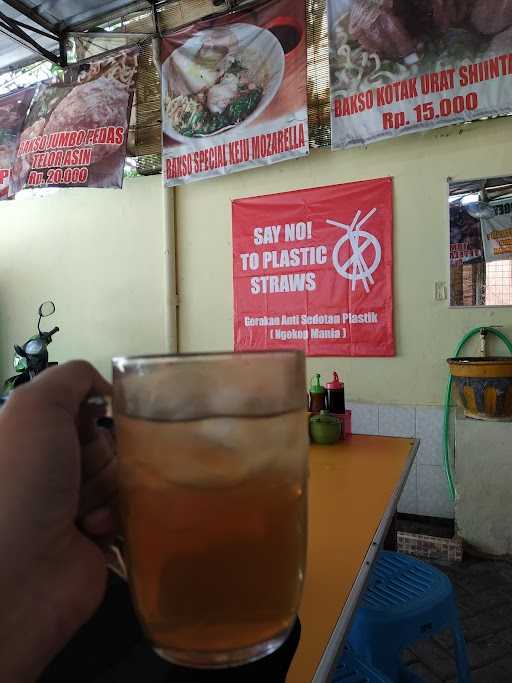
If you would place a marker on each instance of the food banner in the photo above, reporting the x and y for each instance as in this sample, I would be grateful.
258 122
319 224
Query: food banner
399 66
497 231
76 132
13 110
465 237
313 270
234 92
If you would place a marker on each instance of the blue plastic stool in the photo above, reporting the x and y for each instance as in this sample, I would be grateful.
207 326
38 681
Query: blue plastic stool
406 601
352 670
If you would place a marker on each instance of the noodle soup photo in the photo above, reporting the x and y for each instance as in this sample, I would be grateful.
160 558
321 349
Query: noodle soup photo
417 63
221 78
234 92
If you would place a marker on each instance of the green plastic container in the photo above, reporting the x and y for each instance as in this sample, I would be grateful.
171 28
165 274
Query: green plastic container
325 429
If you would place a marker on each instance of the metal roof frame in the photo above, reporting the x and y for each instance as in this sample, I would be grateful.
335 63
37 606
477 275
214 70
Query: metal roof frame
29 12
21 31
18 30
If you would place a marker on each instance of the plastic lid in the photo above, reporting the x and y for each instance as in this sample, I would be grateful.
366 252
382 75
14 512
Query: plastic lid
316 387
325 417
335 384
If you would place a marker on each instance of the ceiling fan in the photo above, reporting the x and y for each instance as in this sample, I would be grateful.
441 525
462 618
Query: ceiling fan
477 205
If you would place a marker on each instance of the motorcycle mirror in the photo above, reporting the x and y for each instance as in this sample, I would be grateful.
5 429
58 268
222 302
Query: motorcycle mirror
19 351
46 309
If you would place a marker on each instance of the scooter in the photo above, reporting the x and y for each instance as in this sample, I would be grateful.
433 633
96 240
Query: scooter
31 358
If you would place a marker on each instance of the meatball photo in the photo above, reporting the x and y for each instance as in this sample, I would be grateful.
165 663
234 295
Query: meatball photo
75 134
13 110
398 66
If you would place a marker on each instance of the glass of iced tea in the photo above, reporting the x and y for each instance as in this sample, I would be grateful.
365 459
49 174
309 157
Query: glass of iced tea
213 454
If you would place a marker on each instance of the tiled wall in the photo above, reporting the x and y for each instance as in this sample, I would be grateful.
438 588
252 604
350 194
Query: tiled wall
426 491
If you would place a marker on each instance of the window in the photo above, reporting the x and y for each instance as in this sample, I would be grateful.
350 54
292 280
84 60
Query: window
498 288
481 242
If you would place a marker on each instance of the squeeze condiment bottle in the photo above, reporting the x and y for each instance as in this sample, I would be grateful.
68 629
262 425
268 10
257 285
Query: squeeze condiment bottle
336 395
316 395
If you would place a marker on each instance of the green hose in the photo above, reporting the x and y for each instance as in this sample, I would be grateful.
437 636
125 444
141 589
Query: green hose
447 400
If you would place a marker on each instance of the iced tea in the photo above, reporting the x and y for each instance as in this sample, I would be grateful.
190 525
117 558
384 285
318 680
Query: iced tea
214 515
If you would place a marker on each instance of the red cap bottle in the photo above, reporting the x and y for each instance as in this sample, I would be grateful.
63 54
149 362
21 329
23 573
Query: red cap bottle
335 384
336 395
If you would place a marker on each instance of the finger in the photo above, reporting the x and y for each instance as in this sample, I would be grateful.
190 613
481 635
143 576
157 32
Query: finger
89 413
68 386
97 454
99 491
100 522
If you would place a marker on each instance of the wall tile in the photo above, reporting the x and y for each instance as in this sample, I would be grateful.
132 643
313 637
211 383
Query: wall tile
365 418
433 497
429 429
408 502
397 421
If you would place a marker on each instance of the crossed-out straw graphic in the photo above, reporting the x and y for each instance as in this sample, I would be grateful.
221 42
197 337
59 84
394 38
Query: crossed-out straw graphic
360 269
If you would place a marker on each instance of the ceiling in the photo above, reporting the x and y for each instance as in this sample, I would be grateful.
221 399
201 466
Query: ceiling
67 14
35 29
23 23
493 186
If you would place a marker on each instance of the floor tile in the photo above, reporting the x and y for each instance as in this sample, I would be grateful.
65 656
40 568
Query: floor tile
506 634
506 664
491 674
479 601
445 639
492 621
485 604
438 660
424 673
409 657
487 650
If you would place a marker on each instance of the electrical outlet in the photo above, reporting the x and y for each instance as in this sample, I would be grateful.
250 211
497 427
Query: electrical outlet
440 291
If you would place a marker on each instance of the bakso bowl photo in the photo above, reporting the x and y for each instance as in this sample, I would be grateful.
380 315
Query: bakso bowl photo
220 79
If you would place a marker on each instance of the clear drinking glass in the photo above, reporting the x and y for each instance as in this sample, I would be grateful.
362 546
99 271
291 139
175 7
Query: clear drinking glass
213 453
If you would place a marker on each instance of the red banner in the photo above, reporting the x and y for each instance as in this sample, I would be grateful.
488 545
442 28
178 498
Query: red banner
401 66
313 269
76 132
13 109
234 92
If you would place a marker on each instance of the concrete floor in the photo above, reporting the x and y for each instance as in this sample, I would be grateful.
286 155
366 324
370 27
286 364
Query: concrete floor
484 596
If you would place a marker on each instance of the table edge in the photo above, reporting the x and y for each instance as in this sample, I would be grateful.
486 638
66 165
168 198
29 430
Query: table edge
329 658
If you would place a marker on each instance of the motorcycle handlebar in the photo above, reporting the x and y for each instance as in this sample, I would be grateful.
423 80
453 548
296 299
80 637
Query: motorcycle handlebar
52 332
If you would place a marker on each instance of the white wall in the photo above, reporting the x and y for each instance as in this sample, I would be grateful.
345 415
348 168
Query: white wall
426 330
100 256
484 473
393 396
